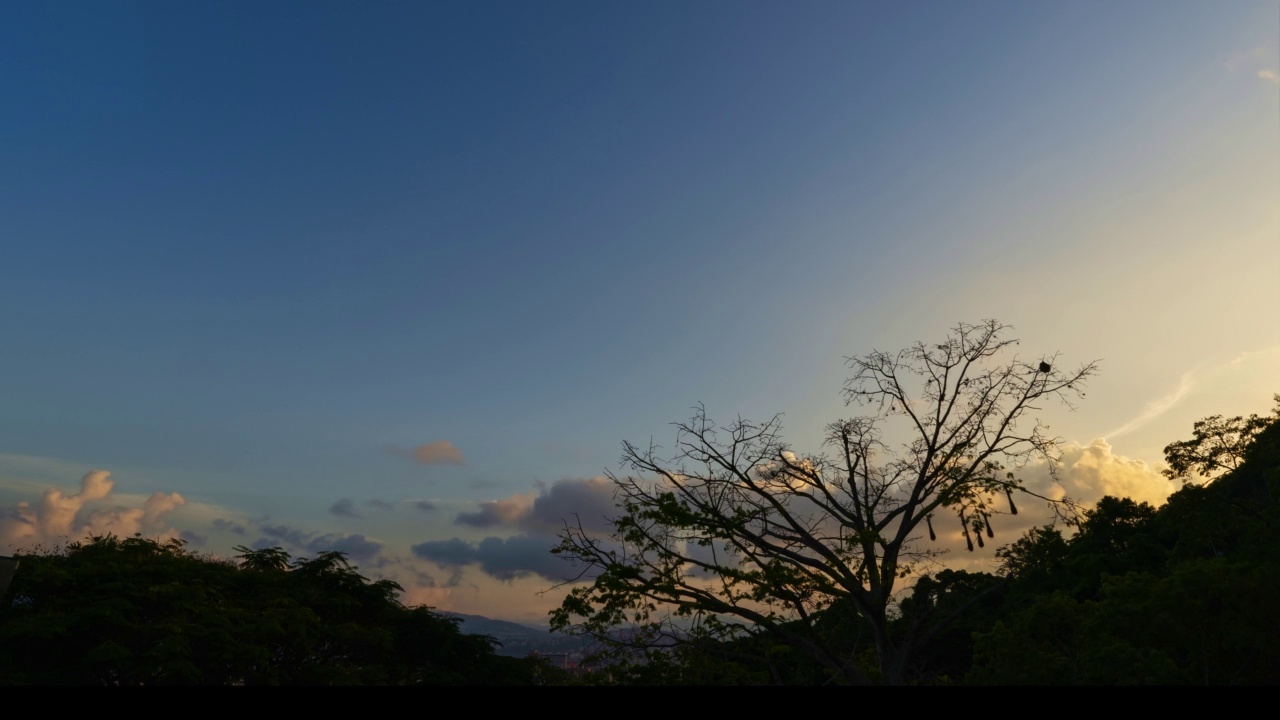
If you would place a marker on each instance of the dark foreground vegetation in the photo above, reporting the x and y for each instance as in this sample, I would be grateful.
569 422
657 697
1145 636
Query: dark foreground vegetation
1129 594
140 612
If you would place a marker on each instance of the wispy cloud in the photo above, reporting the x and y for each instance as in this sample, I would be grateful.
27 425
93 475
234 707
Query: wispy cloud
1193 379
1157 407
1270 76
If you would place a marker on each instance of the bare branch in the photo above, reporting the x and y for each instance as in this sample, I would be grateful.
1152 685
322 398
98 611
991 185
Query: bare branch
734 525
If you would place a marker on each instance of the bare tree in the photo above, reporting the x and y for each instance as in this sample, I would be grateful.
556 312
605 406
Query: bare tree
735 534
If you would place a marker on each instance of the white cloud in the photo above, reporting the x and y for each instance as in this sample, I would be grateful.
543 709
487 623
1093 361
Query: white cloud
1270 76
1089 472
59 517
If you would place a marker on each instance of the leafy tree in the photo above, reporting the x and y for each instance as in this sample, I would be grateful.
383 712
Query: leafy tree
141 612
1217 445
734 534
1183 594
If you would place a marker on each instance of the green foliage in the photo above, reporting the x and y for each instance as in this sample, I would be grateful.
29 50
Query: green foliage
1217 445
1180 595
141 612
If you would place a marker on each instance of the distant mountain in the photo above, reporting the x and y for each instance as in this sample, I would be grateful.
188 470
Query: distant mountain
519 640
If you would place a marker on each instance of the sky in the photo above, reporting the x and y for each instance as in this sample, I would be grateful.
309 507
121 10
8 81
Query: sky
398 279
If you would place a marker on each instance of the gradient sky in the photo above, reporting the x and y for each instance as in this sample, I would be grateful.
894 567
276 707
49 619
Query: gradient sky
337 273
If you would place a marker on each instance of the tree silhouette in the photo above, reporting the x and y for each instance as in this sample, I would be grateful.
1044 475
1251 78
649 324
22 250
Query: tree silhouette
734 534
1216 446
141 612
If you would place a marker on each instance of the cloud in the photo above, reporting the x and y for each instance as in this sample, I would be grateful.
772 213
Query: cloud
1092 471
446 552
508 512
356 546
59 517
193 537
441 452
1088 472
423 505
1158 407
1246 369
224 525
382 505
538 520
346 507
586 500
1270 76
1259 55
287 535
502 558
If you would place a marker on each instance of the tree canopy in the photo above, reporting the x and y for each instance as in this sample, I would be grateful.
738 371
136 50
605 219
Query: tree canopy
733 533
1217 445
137 611
1181 594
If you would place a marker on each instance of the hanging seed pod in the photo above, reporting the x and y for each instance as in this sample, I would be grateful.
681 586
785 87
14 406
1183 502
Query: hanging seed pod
987 521
928 520
965 527
1013 509
979 541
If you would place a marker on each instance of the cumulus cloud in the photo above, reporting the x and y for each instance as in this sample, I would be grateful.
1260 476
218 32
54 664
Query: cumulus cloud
59 517
441 452
346 507
1091 471
1085 474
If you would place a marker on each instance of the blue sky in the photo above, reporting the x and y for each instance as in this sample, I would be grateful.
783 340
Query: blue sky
257 253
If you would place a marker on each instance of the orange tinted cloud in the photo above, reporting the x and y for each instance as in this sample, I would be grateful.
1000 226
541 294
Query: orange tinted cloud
441 452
